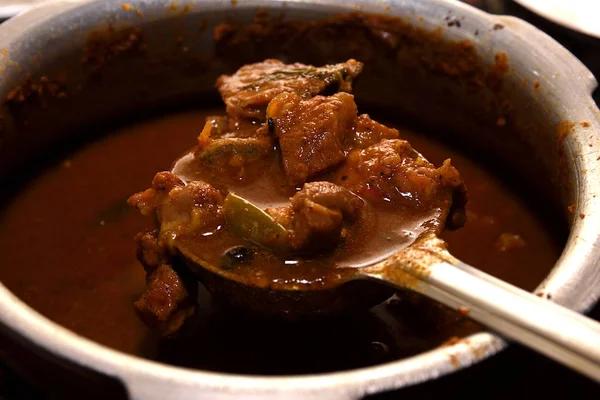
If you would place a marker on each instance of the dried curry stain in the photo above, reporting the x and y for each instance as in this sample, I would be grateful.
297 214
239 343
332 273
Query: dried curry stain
564 129
494 81
129 7
409 267
454 360
451 342
102 46
41 88
427 49
105 44
174 8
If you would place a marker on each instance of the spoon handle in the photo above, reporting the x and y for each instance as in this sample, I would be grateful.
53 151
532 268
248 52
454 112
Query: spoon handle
555 331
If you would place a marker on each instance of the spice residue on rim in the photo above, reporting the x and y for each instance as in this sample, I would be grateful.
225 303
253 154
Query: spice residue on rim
464 311
129 7
564 129
106 43
43 87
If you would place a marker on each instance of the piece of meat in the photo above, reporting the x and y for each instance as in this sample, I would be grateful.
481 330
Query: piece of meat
312 133
150 252
328 195
247 92
452 181
316 215
282 215
393 171
179 208
195 207
147 201
369 132
167 301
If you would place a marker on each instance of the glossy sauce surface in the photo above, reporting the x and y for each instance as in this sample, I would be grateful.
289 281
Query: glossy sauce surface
66 249
382 228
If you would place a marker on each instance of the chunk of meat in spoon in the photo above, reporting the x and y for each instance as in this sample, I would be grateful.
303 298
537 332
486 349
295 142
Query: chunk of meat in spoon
247 92
180 208
316 216
168 300
392 171
150 252
169 297
312 133
349 172
368 132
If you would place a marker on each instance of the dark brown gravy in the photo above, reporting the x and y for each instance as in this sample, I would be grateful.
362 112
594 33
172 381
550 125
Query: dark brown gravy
66 249
382 230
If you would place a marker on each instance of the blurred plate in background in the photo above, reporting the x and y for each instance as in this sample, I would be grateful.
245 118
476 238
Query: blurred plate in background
9 8
579 15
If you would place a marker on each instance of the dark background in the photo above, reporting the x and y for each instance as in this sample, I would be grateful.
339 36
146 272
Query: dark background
516 372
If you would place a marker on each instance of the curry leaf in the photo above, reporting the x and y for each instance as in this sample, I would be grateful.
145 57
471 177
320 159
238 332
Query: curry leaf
250 222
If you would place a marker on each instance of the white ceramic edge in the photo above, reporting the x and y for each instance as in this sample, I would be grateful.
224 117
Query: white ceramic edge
584 23
152 380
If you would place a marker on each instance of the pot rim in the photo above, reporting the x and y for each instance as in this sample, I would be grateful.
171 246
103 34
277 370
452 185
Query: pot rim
150 379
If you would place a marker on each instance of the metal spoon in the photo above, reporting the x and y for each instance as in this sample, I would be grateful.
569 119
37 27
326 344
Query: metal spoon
428 268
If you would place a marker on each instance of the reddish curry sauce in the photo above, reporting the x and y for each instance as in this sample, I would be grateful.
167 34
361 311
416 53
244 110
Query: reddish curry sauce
76 264
376 235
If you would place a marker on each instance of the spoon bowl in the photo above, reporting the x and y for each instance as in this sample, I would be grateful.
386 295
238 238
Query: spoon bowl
294 303
426 267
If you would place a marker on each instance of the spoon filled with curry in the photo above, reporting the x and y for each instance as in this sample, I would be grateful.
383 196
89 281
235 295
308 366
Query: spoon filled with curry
296 206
